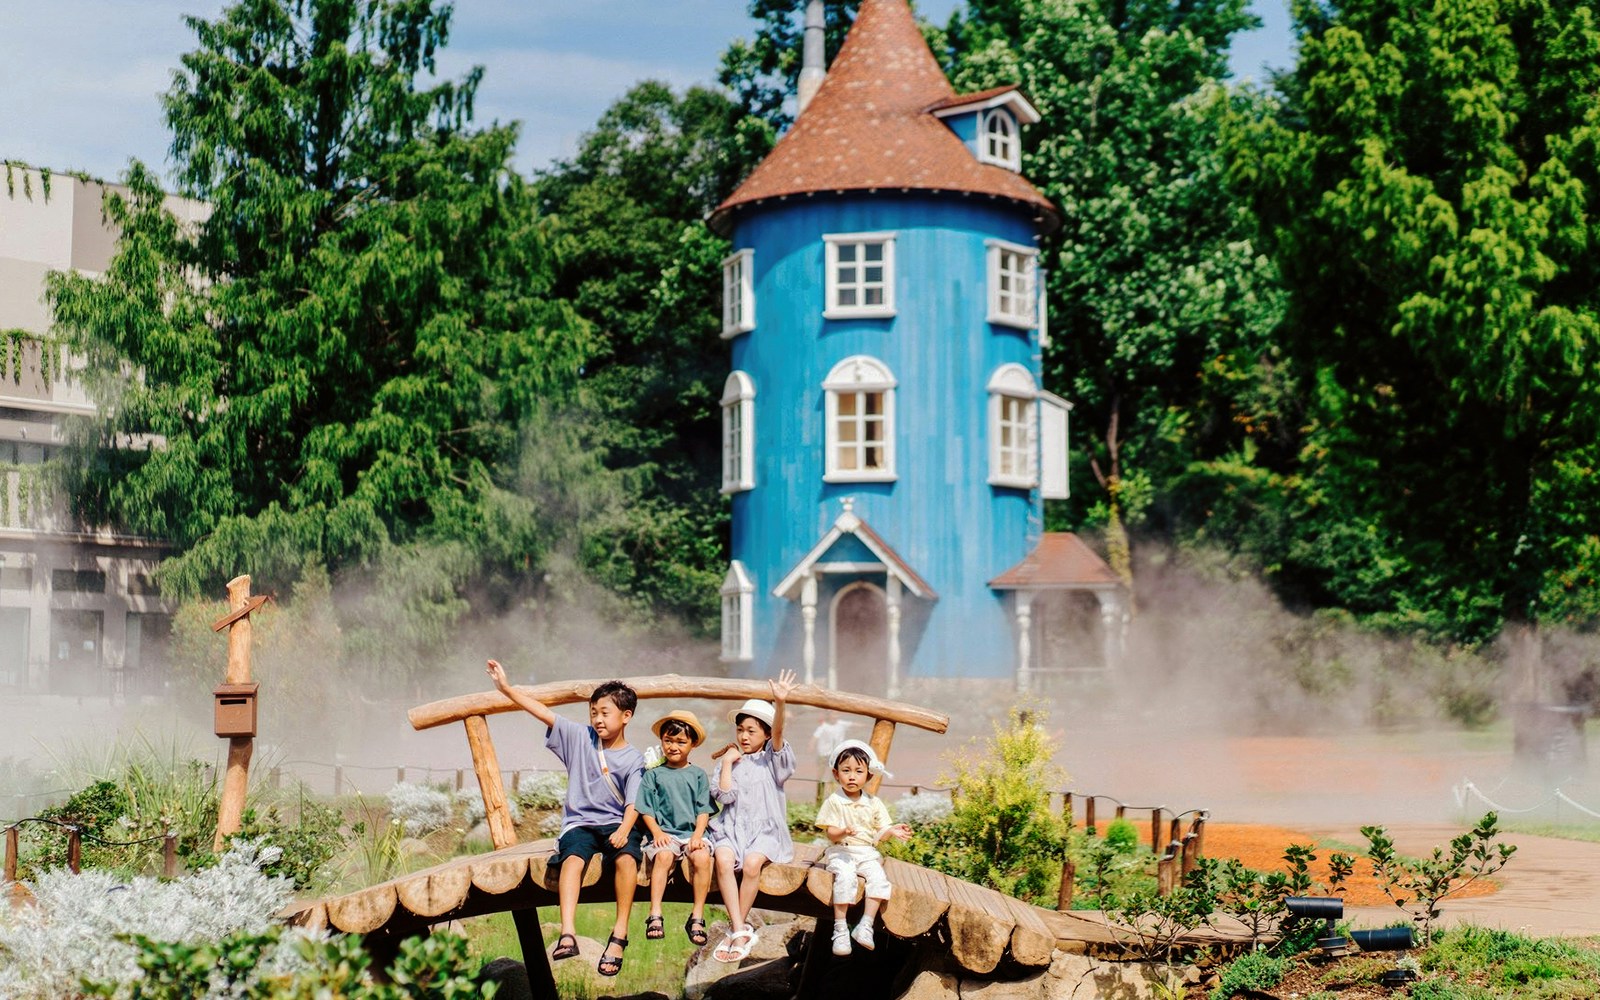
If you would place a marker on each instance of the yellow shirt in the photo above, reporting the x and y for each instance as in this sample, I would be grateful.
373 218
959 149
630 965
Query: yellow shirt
866 813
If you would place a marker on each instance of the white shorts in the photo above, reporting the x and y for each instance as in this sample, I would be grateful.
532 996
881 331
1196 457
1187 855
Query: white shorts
846 862
677 847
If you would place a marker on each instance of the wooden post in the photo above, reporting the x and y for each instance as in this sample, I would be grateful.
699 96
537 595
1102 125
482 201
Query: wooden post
1176 834
1088 814
1199 831
400 775
1155 829
502 831
882 736
277 778
1066 809
1122 811
74 849
1190 855
338 780
516 783
169 855
541 979
1069 872
230 811
1164 875
461 774
11 855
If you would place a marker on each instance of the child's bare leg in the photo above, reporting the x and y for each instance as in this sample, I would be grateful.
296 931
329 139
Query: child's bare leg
839 910
869 910
750 885
627 884
700 879
567 888
660 868
728 886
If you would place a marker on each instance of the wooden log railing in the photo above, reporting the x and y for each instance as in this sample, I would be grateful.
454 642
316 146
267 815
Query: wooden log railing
472 710
75 838
1181 855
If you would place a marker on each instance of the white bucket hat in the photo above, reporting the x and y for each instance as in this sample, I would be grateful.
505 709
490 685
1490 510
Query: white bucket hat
874 765
756 709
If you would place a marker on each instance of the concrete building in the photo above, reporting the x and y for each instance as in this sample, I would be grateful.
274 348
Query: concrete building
78 611
887 439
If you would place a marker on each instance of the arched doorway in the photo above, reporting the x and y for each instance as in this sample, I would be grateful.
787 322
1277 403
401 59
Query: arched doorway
860 640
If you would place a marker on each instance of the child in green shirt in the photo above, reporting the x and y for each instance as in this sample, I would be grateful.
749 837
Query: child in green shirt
674 802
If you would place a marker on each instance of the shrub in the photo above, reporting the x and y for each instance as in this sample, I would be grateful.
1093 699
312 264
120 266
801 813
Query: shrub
546 790
1256 970
1122 836
921 810
470 802
419 809
83 926
1417 884
306 845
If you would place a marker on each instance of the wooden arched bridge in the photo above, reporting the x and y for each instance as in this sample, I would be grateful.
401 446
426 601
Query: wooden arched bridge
983 927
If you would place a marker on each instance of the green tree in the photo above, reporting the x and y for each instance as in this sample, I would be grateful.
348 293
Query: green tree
336 353
1428 190
762 72
1161 306
634 257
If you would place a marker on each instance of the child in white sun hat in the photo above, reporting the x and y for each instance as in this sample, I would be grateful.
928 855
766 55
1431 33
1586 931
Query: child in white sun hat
856 821
753 827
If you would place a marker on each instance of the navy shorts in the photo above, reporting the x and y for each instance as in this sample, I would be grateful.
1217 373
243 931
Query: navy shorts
587 841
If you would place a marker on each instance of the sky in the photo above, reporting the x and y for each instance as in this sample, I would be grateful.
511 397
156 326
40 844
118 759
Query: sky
81 78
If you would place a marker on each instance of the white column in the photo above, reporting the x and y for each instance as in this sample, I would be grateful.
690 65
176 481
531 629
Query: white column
894 635
808 615
1024 637
1113 627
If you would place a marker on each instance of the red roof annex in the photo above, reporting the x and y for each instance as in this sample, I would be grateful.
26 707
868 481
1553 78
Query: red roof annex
870 127
1061 561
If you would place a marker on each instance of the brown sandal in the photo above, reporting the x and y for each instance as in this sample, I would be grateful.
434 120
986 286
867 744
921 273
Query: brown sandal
610 965
655 927
565 950
695 927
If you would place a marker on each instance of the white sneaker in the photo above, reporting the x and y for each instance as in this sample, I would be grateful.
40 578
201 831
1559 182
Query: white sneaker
841 938
862 935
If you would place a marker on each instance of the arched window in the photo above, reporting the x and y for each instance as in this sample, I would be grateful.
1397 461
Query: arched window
860 421
738 603
1013 434
738 433
999 140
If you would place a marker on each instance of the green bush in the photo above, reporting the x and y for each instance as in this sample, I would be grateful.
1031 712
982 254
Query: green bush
1441 989
1122 836
314 838
1256 970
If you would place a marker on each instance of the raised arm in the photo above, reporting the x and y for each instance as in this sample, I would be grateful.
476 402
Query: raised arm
780 695
533 706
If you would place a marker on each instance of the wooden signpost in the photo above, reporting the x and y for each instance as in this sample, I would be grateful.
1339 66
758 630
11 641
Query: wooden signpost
235 706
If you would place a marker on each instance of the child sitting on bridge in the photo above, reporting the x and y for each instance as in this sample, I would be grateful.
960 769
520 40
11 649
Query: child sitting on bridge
753 826
675 804
856 821
603 775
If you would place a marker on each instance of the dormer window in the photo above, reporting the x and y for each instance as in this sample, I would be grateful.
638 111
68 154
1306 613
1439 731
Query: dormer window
860 276
738 295
1013 293
998 142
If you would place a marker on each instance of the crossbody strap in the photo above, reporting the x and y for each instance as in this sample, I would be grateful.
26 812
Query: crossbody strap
605 772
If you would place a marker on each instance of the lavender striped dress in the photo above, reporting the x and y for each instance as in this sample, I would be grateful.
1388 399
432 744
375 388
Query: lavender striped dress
755 815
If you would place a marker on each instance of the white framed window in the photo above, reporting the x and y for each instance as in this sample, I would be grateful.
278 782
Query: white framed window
1013 295
738 294
738 603
859 412
738 433
1013 428
998 142
860 275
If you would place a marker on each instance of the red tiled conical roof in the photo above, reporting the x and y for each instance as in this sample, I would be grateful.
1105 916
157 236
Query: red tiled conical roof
869 128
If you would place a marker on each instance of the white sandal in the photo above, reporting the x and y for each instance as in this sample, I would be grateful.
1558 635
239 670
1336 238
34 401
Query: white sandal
729 949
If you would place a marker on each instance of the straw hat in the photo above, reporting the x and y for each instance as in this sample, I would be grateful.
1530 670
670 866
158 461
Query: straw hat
756 709
687 718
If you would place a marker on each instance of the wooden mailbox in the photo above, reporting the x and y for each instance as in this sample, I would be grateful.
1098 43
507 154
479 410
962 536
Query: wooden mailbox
235 709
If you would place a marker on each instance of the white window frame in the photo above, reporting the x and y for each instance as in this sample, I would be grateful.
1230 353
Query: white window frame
738 293
738 604
831 307
738 433
1012 387
859 376
1018 307
998 127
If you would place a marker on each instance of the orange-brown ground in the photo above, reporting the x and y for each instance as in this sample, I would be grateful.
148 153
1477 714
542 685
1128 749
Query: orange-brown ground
1261 847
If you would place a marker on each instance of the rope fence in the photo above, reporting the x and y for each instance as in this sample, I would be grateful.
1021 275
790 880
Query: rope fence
75 838
1467 792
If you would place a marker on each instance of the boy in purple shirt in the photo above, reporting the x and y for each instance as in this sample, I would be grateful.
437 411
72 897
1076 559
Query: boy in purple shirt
603 774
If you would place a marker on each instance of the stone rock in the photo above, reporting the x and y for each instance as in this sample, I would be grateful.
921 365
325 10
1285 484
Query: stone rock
774 939
479 834
930 985
511 976
1082 977
1030 988
577 974
414 847
771 980
702 969
760 918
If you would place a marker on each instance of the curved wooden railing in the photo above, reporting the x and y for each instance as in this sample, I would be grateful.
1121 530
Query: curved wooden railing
472 710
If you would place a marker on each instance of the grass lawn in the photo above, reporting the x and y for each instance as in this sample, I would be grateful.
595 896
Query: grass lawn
648 965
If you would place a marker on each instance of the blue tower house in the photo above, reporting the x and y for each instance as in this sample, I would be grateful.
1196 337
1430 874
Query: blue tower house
887 444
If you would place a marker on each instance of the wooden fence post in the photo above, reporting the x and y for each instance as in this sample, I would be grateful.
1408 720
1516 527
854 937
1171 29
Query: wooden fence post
169 855
1190 842
1176 833
338 780
276 778
1088 814
1066 809
1155 829
1199 831
400 775
1122 811
74 850
1164 875
11 855
1069 872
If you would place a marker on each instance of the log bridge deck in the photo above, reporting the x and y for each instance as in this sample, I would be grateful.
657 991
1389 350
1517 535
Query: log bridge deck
983 926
